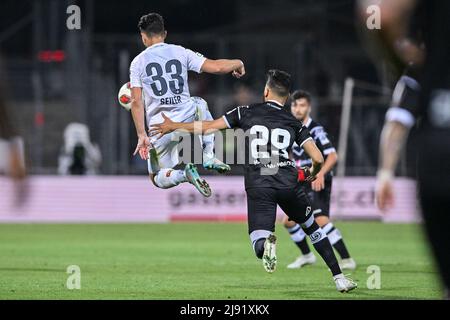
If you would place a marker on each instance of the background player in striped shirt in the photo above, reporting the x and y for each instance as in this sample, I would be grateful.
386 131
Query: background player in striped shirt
318 190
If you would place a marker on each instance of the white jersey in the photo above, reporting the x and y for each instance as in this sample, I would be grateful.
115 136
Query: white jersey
162 72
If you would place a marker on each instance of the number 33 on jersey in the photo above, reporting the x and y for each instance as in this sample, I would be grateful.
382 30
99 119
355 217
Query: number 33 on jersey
161 71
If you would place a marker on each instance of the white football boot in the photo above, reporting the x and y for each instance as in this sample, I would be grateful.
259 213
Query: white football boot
344 284
270 256
347 264
303 260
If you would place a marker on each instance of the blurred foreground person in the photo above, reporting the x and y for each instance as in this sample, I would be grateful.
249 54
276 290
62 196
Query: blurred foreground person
12 161
79 156
425 96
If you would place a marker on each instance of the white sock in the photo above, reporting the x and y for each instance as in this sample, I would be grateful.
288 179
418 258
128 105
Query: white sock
207 141
208 147
339 276
334 235
168 178
297 233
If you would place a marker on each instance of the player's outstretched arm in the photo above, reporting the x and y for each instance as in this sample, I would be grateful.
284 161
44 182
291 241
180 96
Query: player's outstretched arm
137 111
199 127
223 66
316 156
393 138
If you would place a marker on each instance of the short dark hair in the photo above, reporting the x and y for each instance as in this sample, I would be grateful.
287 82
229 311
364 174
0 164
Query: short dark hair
279 81
301 94
152 24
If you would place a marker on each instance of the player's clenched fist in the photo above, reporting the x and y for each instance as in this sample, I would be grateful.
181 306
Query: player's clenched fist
384 195
240 71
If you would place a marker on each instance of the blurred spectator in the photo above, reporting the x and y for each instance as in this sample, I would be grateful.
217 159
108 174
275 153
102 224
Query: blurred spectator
244 95
79 156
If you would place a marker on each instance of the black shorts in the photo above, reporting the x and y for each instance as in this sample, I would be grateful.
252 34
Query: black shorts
262 206
321 200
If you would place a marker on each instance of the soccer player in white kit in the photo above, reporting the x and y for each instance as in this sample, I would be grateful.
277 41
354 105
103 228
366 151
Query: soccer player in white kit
159 84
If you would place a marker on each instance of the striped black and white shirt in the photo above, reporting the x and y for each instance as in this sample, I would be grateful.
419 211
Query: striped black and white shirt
322 141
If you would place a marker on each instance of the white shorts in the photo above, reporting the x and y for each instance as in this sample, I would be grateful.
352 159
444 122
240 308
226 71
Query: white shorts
165 153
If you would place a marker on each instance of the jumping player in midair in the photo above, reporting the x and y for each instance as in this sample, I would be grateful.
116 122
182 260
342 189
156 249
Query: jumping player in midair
159 83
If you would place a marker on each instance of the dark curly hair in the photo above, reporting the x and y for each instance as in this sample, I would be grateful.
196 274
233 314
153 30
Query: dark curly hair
152 24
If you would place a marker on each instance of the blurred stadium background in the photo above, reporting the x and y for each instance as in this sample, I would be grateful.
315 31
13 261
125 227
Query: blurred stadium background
55 77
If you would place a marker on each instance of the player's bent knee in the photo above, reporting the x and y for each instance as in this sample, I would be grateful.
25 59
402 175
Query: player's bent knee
152 179
158 181
288 223
322 220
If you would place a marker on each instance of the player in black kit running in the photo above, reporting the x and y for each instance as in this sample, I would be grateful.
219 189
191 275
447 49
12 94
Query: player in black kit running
270 176
319 191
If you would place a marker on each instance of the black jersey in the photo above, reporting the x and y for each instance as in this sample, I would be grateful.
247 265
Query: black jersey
405 101
271 131
427 100
435 81
322 141
423 92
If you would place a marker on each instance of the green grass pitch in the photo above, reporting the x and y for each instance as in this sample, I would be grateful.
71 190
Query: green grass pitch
202 261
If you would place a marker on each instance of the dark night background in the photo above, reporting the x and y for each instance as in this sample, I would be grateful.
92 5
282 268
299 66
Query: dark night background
318 42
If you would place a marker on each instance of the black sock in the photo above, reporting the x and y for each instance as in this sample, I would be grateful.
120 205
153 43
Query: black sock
325 250
303 246
323 246
299 237
342 249
259 247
